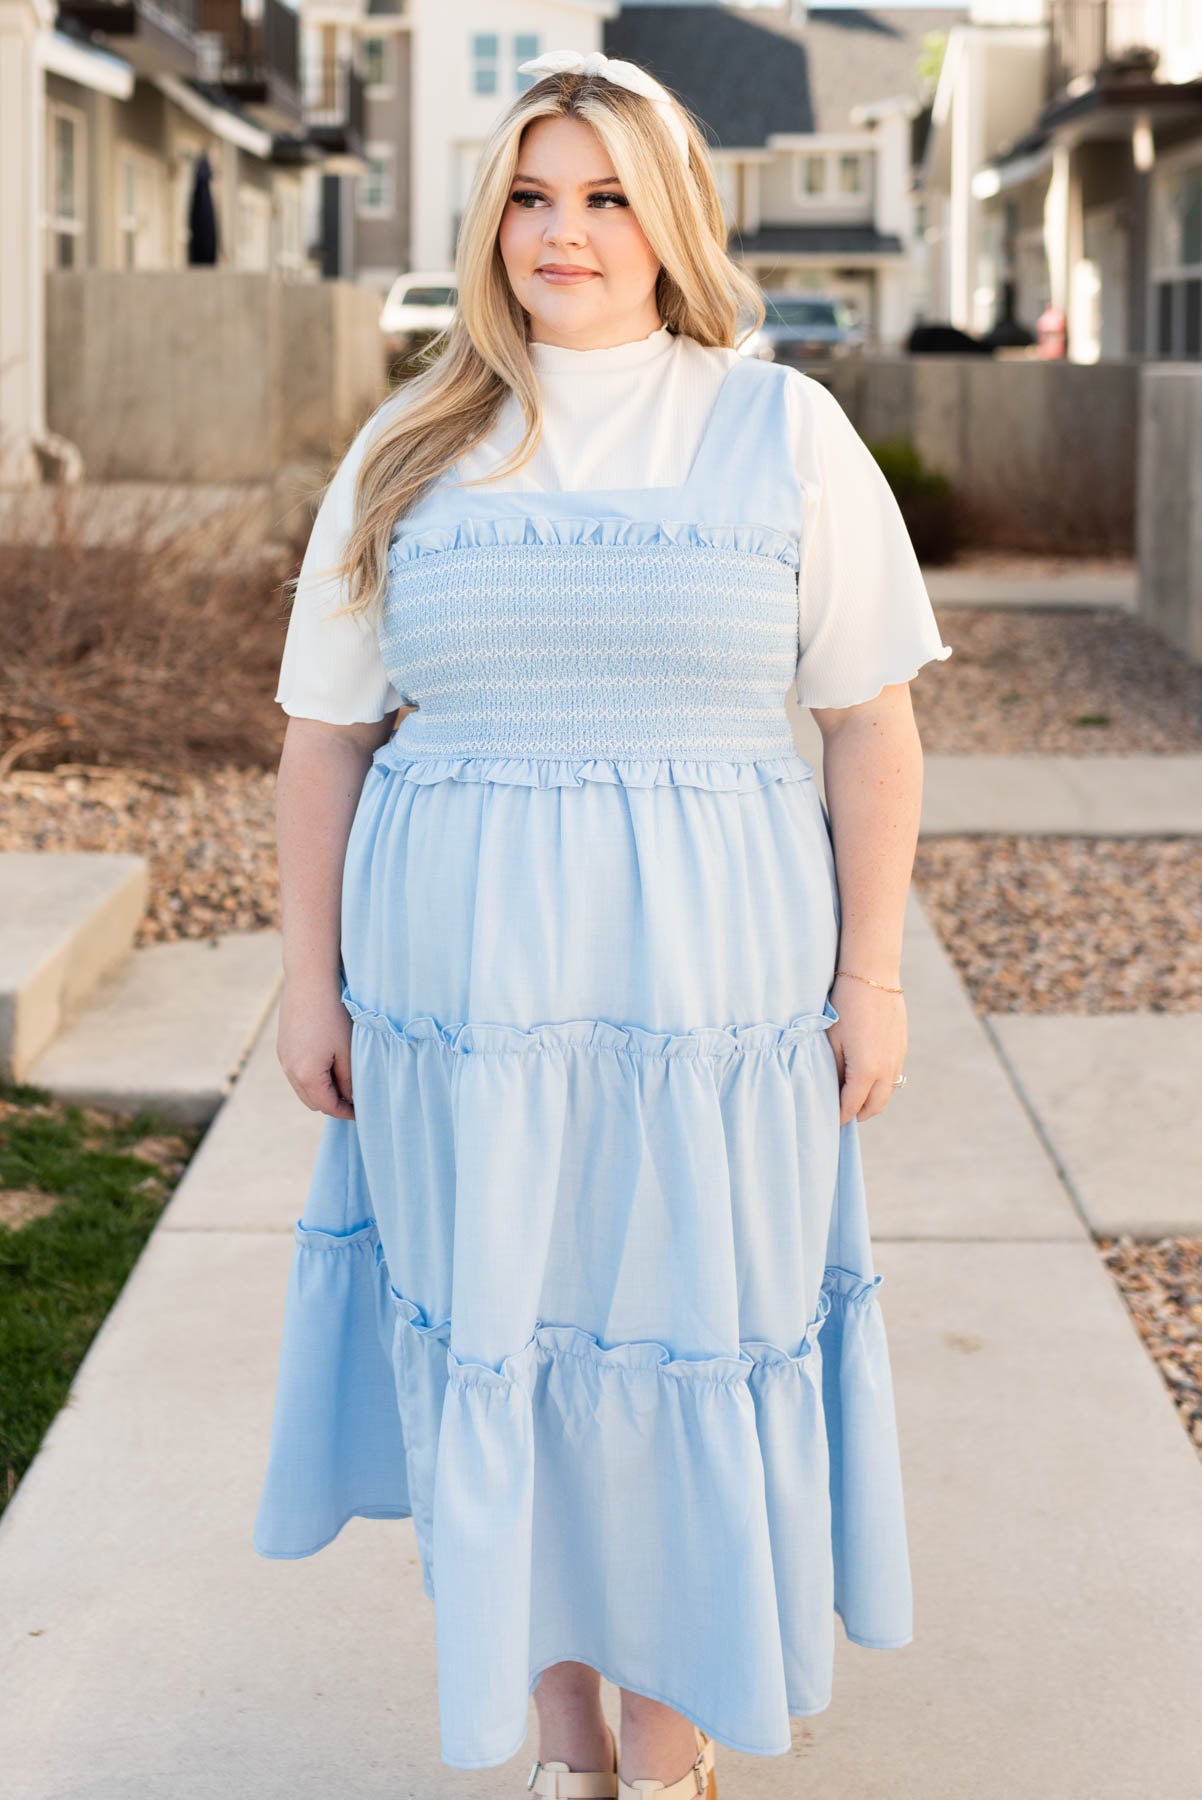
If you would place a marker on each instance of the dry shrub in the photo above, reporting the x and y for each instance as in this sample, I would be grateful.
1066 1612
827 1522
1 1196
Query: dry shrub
140 646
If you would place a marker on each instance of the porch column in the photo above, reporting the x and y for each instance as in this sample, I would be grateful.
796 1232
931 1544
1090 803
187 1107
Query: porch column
22 321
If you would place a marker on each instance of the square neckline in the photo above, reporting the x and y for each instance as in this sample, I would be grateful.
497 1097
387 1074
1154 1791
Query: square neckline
704 454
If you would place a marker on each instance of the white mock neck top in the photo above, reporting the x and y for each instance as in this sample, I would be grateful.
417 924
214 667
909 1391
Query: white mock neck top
631 415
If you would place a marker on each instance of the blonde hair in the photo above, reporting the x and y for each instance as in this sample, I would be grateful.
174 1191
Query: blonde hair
482 354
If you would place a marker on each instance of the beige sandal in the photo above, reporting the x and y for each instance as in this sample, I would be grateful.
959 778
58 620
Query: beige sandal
701 1778
556 1781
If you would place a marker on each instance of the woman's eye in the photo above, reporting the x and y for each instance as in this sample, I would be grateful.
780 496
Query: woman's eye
524 194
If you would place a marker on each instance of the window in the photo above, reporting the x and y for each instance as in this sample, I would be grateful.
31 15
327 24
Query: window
814 173
525 48
376 73
851 174
485 56
1177 268
376 188
65 245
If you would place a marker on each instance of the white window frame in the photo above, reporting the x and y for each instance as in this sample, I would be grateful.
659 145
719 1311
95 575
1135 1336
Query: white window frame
813 159
832 198
1173 165
384 153
380 90
59 224
484 62
856 158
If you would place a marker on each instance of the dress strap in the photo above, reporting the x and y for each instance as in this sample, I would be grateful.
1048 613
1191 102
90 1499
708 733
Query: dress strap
745 468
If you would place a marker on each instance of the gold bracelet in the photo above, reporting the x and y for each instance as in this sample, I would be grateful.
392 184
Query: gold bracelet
870 981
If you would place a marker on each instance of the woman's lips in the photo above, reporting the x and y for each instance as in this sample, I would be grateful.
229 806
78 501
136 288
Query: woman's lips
565 277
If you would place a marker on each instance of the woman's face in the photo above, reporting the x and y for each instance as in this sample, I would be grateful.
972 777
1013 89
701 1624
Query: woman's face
566 211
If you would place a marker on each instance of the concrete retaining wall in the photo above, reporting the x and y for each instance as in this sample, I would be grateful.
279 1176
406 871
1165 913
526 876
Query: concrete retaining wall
208 375
1169 537
1043 452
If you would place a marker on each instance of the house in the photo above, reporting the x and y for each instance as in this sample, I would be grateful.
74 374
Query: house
107 108
134 93
1064 166
814 116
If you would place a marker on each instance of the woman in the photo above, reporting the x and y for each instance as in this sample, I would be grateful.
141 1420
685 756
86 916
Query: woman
583 1283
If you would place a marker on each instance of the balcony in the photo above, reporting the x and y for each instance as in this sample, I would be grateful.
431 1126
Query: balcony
255 56
1098 40
335 109
156 37
333 114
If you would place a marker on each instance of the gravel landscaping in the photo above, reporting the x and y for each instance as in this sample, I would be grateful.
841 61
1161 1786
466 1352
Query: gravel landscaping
209 839
1068 924
1071 681
1162 1285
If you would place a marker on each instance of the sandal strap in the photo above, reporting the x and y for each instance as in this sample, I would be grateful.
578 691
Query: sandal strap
556 1781
692 1783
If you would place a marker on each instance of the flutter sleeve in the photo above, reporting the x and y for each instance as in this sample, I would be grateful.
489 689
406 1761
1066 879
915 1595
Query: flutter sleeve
332 668
865 618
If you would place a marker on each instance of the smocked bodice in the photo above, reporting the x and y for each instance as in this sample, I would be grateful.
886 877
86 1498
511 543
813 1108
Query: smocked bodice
655 623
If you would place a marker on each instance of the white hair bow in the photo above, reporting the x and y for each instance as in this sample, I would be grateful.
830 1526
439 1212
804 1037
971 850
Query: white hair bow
624 74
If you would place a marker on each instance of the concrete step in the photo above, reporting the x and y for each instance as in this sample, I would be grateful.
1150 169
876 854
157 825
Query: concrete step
170 1030
69 924
1114 1099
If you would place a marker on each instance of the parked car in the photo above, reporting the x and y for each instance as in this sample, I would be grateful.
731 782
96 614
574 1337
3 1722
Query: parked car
418 304
805 328
935 337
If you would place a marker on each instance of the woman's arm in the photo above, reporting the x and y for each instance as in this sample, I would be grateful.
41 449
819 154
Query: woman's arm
321 774
872 773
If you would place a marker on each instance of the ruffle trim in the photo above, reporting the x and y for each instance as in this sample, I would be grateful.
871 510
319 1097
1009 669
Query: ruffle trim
633 1356
485 1036
373 1405
840 1287
586 530
720 776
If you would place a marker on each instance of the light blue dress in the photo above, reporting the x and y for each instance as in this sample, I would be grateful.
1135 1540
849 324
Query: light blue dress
586 1288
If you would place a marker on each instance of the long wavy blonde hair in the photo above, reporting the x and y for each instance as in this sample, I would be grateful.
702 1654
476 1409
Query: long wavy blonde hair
482 354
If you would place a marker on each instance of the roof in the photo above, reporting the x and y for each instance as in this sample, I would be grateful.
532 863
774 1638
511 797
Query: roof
747 75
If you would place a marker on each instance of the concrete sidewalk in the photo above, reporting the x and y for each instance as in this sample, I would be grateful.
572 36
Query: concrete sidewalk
1117 588
1096 796
1055 1505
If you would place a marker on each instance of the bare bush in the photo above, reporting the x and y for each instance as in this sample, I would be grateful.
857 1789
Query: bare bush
130 645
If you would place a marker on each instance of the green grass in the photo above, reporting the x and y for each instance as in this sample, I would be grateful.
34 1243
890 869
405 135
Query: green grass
61 1272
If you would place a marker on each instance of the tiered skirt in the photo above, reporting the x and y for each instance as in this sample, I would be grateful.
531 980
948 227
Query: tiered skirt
585 1289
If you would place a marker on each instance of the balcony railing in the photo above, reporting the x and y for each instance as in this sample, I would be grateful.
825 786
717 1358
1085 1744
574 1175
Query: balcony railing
335 102
255 48
1096 37
255 57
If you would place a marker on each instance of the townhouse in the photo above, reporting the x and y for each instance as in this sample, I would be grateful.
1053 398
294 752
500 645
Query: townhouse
816 118
1064 168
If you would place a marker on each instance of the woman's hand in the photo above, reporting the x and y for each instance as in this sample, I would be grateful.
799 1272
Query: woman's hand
869 1040
314 1046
